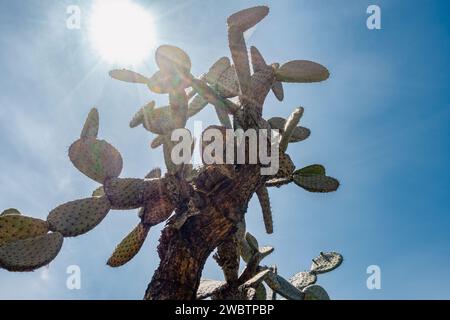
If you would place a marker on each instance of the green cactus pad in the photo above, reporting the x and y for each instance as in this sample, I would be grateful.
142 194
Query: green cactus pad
90 128
17 227
139 117
162 82
30 254
129 246
326 262
10 211
312 170
128 76
125 193
78 217
303 279
316 183
247 18
208 287
97 159
283 287
315 292
302 71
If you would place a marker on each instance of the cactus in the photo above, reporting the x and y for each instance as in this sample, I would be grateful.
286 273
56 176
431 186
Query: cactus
203 208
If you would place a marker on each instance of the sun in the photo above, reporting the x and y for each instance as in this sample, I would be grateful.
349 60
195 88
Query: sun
121 31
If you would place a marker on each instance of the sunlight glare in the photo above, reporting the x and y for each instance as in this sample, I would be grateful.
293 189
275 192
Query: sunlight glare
121 31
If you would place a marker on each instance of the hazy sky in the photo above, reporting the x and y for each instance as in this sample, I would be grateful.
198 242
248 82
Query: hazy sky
380 125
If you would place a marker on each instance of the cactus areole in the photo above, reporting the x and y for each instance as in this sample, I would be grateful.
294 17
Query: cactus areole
203 208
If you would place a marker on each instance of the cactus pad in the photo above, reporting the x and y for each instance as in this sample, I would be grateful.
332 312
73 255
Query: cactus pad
208 287
216 70
316 183
315 292
302 71
18 227
30 254
326 262
80 216
10 211
97 159
125 193
247 18
128 76
172 59
283 287
90 128
315 169
303 279
264 201
129 246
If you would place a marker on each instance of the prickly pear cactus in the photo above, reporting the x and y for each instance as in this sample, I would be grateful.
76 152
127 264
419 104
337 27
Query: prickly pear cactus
203 208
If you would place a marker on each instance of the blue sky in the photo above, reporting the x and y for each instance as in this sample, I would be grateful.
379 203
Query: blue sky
380 124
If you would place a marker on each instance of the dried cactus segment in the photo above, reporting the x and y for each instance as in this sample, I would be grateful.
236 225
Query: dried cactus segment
125 193
302 71
265 251
128 76
97 159
315 292
278 182
154 173
208 287
247 18
264 201
10 211
312 170
129 246
278 91
172 60
17 227
303 279
256 280
316 183
289 127
90 128
78 217
283 287
326 262
99 192
31 253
